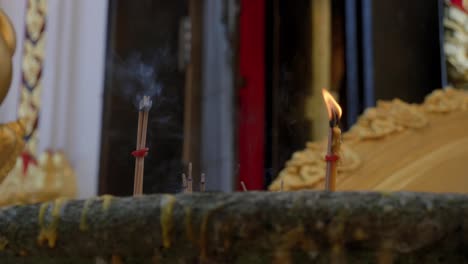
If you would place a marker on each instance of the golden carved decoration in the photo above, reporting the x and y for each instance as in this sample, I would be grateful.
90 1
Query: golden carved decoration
394 146
7 50
26 177
11 134
387 118
455 43
446 101
49 178
11 146
32 70
7 32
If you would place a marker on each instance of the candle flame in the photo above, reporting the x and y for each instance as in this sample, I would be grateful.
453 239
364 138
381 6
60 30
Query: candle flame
333 108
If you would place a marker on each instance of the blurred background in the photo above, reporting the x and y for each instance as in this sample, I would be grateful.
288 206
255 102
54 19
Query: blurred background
236 84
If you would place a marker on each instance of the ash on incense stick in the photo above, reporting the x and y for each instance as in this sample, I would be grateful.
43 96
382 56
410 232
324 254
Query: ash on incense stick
145 104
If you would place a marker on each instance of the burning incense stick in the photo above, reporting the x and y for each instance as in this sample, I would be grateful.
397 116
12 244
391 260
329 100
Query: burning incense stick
141 150
202 182
334 140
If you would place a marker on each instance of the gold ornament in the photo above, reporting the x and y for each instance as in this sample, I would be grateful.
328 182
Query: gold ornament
393 146
11 134
455 43
31 181
11 146
7 49
7 32
25 176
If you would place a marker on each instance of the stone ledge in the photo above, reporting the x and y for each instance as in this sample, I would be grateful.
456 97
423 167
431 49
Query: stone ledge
248 227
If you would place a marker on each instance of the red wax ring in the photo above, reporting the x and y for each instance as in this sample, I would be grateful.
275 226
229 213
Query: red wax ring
332 157
140 153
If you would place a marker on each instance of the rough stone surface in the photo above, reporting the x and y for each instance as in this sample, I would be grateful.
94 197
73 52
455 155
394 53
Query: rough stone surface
248 227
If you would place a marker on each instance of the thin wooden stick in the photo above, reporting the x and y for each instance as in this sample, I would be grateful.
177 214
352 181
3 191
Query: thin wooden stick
334 140
184 183
137 166
243 186
202 182
332 151
145 105
143 145
282 185
190 179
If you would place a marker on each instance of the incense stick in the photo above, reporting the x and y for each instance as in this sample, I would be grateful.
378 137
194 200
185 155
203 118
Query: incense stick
202 182
184 183
190 179
143 145
334 139
137 167
330 174
244 188
332 157
140 153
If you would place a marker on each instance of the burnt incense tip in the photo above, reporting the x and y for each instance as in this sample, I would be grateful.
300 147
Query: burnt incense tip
145 103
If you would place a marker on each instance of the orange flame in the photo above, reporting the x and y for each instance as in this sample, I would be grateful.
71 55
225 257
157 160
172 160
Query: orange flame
333 108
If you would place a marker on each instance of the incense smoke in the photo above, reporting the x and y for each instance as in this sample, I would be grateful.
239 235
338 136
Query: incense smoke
145 74
140 75
155 74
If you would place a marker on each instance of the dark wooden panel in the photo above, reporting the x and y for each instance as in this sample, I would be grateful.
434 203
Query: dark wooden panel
289 47
142 57
406 48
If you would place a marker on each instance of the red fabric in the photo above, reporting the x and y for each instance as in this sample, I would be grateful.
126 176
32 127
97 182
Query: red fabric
462 4
251 123
332 158
139 153
27 159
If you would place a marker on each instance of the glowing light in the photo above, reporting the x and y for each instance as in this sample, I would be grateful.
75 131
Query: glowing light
333 108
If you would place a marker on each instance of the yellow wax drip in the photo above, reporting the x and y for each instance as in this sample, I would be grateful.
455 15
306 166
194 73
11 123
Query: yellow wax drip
3 243
385 254
359 234
106 202
203 231
116 259
290 239
204 226
188 224
167 207
49 233
83 223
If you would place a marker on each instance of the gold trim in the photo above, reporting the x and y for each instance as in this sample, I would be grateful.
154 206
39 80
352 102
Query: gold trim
306 168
